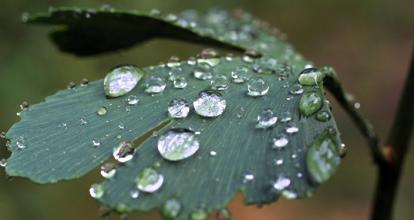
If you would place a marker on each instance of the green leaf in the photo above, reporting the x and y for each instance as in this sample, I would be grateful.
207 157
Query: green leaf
77 129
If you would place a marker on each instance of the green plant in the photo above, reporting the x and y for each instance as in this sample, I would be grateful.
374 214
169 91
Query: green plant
222 145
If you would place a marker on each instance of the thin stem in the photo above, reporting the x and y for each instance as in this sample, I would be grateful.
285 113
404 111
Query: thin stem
332 84
397 144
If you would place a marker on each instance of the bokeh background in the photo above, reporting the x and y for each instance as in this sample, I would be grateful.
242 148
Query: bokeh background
368 42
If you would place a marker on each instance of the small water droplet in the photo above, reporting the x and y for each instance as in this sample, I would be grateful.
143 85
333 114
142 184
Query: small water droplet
108 170
102 111
25 17
134 194
310 103
121 80
124 152
178 144
223 214
132 100
155 12
96 143
203 72
357 105
278 162
199 215
71 85
213 153
155 85
280 141
121 126
266 119
24 106
149 180
240 75
296 89
285 117
281 183
310 77
83 121
248 178
288 194
209 104
3 162
171 209
257 87
291 128
21 143
323 116
219 82
178 108
96 191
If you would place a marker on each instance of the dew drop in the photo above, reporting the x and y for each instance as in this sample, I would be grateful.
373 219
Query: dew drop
96 191
291 128
121 80
96 143
108 170
281 183
280 141
102 111
310 103
134 194
3 162
219 82
24 106
178 108
288 194
310 77
171 209
21 143
124 152
199 215
213 153
266 119
296 89
132 100
240 75
323 116
178 144
257 87
248 178
285 117
180 82
149 180
203 72
83 121
223 214
209 104
155 85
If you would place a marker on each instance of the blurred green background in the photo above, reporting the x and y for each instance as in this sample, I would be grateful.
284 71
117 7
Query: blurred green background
368 42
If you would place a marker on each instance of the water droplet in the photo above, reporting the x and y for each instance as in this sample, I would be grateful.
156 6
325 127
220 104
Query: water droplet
24 106
291 128
171 209
71 85
209 104
84 82
21 143
248 59
323 116
310 103
124 152
285 117
149 180
203 72
132 100
102 111
155 12
281 183
223 214
96 143
322 158
121 126
288 194
210 62
342 150
248 177
357 105
296 89
199 215
280 141
178 144
178 108
219 82
83 121
134 194
155 85
213 153
121 80
3 162
173 62
25 17
310 77
108 170
257 87
96 191
174 73
180 82
266 119
240 75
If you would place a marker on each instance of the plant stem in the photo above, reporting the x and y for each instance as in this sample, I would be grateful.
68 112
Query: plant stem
397 145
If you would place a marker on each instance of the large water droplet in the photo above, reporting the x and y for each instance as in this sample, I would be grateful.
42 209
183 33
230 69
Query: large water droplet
257 87
171 209
178 108
310 77
281 183
124 152
121 80
155 84
199 215
178 144
310 103
108 170
209 104
149 180
266 119
96 191
219 82
240 75
322 158
280 141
